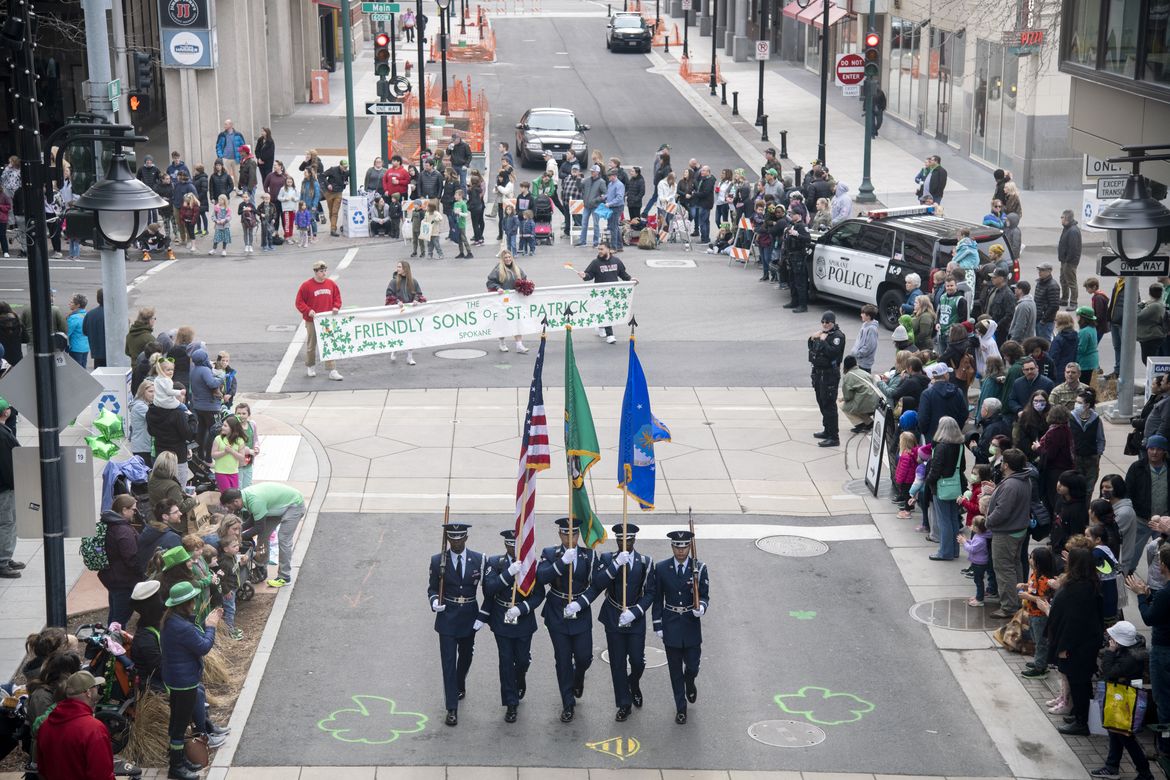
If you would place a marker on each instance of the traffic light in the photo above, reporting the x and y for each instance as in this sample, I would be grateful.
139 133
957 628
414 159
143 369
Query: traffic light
873 55
382 54
143 71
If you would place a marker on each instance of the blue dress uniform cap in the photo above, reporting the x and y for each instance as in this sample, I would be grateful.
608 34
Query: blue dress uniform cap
456 530
563 524
509 534
630 530
680 538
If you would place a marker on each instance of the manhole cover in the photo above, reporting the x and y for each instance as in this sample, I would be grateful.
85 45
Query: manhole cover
460 354
786 733
268 396
655 657
671 263
955 614
281 328
792 546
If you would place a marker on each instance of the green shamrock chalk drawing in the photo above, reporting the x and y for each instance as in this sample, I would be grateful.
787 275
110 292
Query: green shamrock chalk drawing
823 707
374 720
805 614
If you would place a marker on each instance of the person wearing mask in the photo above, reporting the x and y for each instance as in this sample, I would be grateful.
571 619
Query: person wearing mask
1024 387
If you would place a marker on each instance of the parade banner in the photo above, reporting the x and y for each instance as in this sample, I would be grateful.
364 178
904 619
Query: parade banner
469 318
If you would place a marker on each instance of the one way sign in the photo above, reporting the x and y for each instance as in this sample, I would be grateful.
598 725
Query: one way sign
1112 265
384 109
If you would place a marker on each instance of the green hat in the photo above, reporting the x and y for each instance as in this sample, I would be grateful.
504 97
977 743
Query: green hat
175 556
1082 311
4 404
181 592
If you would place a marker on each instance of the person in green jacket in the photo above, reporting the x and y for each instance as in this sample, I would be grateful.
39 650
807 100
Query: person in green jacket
1087 345
273 507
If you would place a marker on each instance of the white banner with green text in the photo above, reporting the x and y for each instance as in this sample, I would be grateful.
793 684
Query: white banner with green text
470 318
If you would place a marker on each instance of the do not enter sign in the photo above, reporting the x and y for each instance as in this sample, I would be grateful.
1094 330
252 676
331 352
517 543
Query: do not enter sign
850 69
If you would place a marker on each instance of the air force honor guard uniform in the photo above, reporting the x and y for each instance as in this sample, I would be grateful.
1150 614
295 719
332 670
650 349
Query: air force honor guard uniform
457 614
677 621
625 629
569 622
512 624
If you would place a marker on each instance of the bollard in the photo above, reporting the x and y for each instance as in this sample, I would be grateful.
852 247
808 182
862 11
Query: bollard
797 176
608 9
764 127
723 99
783 144
734 103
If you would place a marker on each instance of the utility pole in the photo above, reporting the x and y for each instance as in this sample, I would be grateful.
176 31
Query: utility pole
714 19
872 40
118 28
347 55
97 52
763 37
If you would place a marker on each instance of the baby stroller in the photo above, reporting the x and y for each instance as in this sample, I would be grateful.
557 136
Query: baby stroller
542 211
107 654
253 570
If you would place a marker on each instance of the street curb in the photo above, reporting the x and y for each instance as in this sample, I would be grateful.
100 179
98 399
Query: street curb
247 698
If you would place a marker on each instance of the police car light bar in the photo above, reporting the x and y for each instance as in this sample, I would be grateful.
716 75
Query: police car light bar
905 211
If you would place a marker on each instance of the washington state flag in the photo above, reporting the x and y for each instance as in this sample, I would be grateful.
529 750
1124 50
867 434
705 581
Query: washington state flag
581 448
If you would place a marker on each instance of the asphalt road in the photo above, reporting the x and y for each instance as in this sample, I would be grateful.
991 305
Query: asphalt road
359 625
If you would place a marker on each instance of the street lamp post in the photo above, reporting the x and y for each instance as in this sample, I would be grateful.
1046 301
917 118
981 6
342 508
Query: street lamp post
463 17
714 20
763 36
444 24
686 32
420 37
865 192
824 81
1136 224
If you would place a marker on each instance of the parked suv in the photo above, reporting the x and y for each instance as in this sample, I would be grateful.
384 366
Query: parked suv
866 259
628 31
550 129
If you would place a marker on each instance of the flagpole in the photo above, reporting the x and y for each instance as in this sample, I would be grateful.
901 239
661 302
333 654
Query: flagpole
446 516
626 498
568 461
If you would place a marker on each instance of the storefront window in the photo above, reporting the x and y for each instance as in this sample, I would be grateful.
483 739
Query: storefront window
1121 34
1083 29
903 83
1157 47
993 126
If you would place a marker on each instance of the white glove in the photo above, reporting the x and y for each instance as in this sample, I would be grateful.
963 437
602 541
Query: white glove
478 625
623 558
699 612
659 634
514 569
570 556
437 607
626 618
572 609
512 613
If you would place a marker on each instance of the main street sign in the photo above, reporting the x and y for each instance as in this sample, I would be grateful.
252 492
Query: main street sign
380 8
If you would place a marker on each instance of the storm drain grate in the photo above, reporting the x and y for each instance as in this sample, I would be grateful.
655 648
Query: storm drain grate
786 733
955 614
460 354
792 546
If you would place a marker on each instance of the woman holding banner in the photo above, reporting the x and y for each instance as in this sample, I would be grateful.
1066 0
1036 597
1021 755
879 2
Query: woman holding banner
401 290
503 278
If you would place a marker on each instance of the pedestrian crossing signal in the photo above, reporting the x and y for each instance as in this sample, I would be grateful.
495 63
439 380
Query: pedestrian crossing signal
138 102
620 748
382 54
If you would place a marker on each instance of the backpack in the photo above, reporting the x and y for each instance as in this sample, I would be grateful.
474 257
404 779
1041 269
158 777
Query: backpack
248 218
93 549
647 239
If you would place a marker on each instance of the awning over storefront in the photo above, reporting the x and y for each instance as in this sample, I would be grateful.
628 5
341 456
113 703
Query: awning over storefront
792 9
814 14
836 14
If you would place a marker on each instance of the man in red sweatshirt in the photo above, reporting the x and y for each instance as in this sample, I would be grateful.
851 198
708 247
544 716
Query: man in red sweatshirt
318 295
71 743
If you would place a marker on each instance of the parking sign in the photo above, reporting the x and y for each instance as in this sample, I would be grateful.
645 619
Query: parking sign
763 49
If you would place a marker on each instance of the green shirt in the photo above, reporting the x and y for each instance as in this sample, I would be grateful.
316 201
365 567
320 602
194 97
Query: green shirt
270 499
461 213
227 463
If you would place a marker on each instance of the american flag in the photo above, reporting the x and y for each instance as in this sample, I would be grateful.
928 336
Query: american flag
534 457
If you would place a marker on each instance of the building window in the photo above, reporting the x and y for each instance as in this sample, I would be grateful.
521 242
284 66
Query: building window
1157 42
993 131
1121 34
1084 30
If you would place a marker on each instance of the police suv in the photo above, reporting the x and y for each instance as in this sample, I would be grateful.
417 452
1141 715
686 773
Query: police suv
866 259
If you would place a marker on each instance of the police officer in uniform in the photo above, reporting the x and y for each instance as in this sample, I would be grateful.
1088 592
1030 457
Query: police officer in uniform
826 350
512 617
625 629
457 615
677 620
569 622
796 243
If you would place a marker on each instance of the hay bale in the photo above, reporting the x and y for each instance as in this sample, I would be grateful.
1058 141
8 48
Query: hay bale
149 743
217 670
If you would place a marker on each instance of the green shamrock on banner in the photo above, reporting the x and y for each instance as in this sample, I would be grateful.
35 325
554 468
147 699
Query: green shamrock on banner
375 720
823 707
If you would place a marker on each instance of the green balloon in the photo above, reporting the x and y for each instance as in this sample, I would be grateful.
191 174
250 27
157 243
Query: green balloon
109 425
101 448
